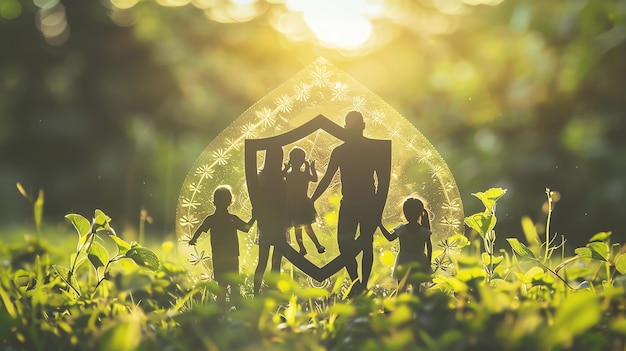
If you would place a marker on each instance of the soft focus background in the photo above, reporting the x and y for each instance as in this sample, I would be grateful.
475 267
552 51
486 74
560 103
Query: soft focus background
106 104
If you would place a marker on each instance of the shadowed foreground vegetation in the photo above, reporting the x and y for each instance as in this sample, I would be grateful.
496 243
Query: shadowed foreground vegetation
94 290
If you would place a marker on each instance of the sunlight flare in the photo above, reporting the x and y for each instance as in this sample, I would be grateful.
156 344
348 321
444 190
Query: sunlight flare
344 24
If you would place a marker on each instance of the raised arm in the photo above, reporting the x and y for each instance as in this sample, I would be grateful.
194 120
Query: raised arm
313 172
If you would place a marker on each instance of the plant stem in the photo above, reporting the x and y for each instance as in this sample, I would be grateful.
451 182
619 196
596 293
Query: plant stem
142 225
556 274
491 245
80 249
547 248
69 282
104 274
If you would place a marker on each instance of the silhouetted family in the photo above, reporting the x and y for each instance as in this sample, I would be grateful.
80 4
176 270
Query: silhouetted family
279 197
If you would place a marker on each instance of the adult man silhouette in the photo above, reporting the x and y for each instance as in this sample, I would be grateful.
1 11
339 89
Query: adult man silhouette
364 166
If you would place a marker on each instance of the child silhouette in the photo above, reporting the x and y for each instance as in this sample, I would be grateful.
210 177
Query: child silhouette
415 245
300 210
223 227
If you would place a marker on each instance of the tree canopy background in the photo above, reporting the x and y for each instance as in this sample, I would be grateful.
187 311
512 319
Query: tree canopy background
106 104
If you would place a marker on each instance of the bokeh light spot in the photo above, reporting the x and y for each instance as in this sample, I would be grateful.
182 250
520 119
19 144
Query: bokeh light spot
124 4
173 3
10 9
46 4
52 23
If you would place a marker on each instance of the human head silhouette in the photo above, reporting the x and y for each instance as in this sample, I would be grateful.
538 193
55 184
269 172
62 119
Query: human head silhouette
222 196
297 157
354 122
413 208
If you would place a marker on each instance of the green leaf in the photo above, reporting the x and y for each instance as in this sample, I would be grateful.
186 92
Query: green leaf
105 231
337 286
467 275
602 236
67 276
520 249
620 263
450 283
577 313
615 250
490 197
122 246
100 218
533 272
601 248
122 336
530 231
79 259
458 241
488 260
25 281
482 223
7 301
20 188
542 279
585 252
80 223
38 210
144 257
101 224
596 251
503 285
342 309
98 255
530 275
313 293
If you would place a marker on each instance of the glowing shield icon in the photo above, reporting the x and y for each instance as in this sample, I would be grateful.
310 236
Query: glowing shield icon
319 89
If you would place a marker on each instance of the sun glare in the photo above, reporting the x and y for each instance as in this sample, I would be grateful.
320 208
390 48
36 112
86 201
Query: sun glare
343 24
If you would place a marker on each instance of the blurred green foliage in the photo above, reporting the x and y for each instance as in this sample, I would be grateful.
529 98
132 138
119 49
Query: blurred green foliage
524 304
106 104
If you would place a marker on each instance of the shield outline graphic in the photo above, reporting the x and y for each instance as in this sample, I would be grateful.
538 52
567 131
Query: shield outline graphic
253 146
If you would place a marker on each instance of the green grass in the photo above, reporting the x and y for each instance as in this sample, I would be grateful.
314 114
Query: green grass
124 296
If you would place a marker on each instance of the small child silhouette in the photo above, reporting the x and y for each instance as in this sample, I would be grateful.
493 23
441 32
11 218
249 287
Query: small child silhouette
415 245
300 210
224 241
